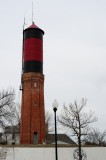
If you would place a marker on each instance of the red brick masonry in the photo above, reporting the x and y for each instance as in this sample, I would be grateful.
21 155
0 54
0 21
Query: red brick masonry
32 114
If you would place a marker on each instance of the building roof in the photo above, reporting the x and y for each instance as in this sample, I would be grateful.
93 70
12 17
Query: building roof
11 129
33 26
61 139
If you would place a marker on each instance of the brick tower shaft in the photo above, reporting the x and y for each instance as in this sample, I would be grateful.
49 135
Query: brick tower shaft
33 121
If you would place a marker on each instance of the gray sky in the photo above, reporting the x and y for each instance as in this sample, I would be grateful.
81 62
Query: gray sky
74 49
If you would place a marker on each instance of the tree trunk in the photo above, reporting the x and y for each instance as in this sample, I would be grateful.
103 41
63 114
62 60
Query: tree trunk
79 143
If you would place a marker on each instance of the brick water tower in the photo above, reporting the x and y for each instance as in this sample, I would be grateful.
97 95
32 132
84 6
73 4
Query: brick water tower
32 113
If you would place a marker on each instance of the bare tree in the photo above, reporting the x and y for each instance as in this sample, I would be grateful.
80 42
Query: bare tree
96 137
77 120
14 122
15 114
6 103
49 123
9 114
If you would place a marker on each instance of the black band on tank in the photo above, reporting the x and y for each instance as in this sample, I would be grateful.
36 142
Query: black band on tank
33 66
33 33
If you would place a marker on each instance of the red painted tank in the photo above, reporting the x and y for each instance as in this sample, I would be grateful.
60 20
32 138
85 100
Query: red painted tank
33 49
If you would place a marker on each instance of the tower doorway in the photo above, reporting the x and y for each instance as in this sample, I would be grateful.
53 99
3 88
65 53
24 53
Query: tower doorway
35 138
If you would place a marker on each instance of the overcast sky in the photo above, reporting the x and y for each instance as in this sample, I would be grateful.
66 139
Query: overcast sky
74 49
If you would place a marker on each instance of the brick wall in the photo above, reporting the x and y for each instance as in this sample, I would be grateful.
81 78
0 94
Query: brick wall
32 114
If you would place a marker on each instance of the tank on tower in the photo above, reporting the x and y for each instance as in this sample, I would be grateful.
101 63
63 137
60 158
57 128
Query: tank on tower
33 49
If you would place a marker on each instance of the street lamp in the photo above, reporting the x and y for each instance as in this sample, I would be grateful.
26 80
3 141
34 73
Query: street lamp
55 106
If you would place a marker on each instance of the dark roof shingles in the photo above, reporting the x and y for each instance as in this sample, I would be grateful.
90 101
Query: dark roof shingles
50 138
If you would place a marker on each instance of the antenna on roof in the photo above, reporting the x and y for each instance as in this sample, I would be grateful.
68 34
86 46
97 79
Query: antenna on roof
22 55
32 12
24 23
